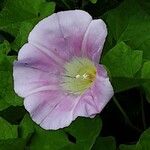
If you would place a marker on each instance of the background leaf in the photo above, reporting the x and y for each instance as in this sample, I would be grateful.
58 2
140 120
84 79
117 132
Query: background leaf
7 93
7 131
93 1
123 64
146 78
81 134
131 25
105 143
127 147
18 15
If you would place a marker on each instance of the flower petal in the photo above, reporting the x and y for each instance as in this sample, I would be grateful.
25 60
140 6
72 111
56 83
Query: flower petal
34 71
94 99
28 79
30 53
60 35
94 40
51 109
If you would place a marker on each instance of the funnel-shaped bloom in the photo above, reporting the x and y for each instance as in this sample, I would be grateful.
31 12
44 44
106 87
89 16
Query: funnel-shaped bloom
58 72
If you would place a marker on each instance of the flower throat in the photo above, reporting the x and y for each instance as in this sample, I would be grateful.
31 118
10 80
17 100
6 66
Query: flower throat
78 76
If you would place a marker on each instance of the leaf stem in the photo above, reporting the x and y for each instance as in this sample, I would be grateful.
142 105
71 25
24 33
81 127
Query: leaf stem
83 4
142 110
125 115
68 7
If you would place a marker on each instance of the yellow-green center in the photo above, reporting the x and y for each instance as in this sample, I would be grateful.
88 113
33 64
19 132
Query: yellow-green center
79 75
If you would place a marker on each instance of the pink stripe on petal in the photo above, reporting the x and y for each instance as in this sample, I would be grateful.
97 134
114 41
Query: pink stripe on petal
85 107
27 78
96 97
60 35
62 115
30 54
34 71
51 109
41 103
94 40
73 25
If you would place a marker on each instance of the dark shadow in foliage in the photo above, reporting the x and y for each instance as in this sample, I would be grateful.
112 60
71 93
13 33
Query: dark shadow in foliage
114 123
102 6
13 114
6 36
71 138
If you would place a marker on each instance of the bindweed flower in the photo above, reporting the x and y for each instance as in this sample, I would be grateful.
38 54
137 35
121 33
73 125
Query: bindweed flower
58 72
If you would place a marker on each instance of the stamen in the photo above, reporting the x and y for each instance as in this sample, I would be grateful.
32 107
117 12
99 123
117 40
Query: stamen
78 76
85 76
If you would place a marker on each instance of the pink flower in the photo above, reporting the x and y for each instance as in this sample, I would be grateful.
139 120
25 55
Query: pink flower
57 72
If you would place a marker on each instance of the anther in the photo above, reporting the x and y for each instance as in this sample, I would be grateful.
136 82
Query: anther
77 76
85 76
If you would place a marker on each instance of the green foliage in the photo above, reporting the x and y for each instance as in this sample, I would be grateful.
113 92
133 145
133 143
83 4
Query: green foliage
146 78
142 144
26 127
105 143
127 147
93 1
19 17
22 35
123 64
131 25
81 135
123 61
7 94
7 131
4 48
8 136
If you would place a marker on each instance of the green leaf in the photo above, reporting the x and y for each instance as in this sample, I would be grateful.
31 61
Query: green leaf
9 137
26 127
145 75
22 35
7 131
146 70
122 61
131 25
46 9
81 135
105 143
3 104
85 132
7 93
127 147
4 48
12 144
18 15
144 143
93 1
46 140
145 5
123 64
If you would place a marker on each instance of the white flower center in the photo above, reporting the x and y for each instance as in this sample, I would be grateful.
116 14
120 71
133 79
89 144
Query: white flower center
78 76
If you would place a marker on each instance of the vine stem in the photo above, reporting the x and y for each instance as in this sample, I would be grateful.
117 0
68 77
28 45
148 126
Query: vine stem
66 4
142 111
83 4
125 115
